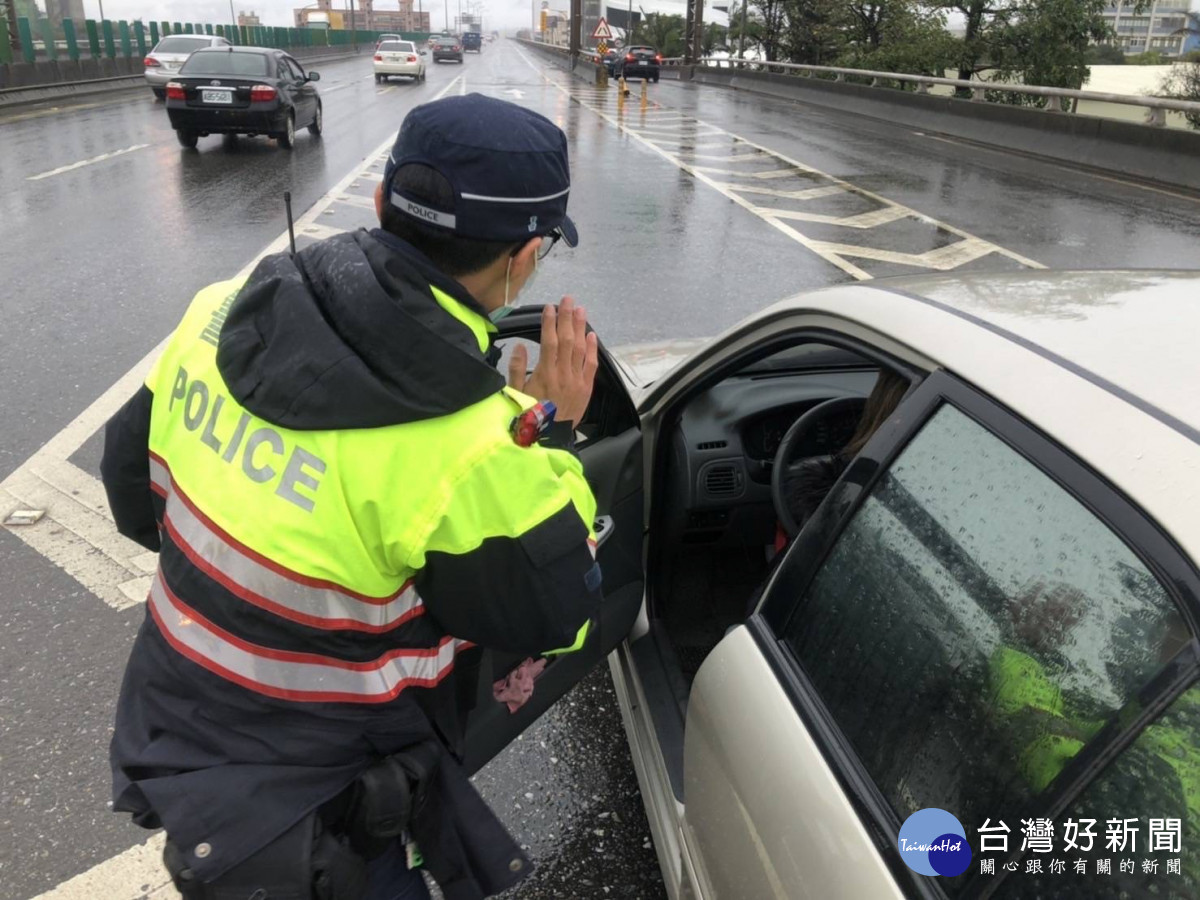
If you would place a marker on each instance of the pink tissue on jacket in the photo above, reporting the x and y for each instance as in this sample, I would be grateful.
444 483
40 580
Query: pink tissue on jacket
516 688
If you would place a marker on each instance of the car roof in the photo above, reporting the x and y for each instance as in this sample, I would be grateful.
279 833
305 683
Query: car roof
232 48
1106 362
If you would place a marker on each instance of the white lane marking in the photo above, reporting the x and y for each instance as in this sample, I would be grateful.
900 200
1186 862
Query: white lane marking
86 162
805 194
872 219
136 874
943 258
77 532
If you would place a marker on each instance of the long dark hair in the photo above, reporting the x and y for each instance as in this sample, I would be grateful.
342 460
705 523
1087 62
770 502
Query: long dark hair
889 390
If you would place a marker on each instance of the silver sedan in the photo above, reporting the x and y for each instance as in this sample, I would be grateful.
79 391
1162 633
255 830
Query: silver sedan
163 62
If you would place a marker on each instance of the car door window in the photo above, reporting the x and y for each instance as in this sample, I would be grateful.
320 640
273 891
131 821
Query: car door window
294 67
284 73
975 625
1150 798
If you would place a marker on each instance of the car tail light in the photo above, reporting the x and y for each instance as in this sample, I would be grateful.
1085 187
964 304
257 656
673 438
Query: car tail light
262 92
378 58
629 57
175 91
457 48
412 59
151 63
658 57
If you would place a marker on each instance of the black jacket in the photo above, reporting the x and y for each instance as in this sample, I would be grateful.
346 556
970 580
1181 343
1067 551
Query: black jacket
345 335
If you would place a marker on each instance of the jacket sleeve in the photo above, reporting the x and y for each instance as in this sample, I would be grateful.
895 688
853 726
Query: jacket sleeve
125 469
509 562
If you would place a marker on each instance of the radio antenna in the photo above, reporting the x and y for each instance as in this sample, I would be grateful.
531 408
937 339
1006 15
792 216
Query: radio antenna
287 204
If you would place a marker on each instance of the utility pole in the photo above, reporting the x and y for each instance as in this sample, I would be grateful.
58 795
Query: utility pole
576 40
13 3
232 18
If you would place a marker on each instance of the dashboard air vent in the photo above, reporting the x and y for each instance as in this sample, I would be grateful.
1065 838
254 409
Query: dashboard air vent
712 445
721 480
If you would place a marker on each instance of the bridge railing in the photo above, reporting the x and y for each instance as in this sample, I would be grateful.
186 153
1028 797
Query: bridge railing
1156 107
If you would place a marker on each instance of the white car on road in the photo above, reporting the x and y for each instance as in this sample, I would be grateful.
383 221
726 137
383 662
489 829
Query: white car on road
899 557
162 65
399 58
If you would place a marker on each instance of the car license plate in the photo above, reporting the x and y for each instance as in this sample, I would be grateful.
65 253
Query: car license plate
216 96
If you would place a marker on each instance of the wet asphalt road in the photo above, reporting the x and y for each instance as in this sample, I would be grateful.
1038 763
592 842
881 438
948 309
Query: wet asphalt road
98 262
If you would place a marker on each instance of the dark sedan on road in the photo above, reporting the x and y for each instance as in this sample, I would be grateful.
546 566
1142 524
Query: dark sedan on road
446 48
609 61
639 62
243 90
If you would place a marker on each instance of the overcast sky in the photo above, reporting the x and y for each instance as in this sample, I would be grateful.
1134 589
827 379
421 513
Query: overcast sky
499 14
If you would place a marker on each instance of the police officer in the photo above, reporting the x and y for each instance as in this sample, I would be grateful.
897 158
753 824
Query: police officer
324 458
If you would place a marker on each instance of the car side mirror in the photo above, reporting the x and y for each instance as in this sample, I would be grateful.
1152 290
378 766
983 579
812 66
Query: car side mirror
424 52
314 76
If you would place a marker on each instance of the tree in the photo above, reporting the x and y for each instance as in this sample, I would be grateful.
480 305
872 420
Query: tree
773 16
714 36
664 33
1105 55
1046 43
750 22
1183 83
812 32
898 36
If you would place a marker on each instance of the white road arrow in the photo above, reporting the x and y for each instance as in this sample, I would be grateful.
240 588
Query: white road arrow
517 94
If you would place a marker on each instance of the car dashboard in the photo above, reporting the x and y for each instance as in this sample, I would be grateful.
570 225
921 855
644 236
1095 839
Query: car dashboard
723 450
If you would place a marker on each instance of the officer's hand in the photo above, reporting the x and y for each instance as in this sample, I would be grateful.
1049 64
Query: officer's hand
566 369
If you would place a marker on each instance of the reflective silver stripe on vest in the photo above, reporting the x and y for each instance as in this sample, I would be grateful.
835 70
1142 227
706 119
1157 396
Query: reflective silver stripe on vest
296 676
270 586
160 477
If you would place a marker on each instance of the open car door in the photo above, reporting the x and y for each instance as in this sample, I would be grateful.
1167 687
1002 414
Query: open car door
609 442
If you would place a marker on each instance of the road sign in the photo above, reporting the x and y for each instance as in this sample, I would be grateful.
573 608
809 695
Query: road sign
602 48
602 32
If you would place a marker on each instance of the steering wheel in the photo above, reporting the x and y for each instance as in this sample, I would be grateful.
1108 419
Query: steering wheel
801 428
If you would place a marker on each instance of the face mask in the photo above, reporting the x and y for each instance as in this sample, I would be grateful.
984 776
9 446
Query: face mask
500 312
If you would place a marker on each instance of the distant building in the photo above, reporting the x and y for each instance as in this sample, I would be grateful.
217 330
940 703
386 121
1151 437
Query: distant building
365 17
249 18
57 10
1163 26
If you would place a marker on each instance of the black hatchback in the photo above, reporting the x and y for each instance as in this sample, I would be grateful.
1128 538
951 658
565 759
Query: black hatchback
243 90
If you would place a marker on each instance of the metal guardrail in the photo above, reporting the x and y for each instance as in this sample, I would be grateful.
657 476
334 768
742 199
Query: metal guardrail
1156 107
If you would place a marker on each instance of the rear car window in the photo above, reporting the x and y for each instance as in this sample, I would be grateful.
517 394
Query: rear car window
225 63
975 626
180 45
397 46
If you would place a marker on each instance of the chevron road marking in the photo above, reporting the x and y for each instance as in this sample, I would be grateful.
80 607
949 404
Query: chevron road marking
678 145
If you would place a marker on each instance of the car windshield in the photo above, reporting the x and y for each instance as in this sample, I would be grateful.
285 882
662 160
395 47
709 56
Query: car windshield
224 62
180 44
397 46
